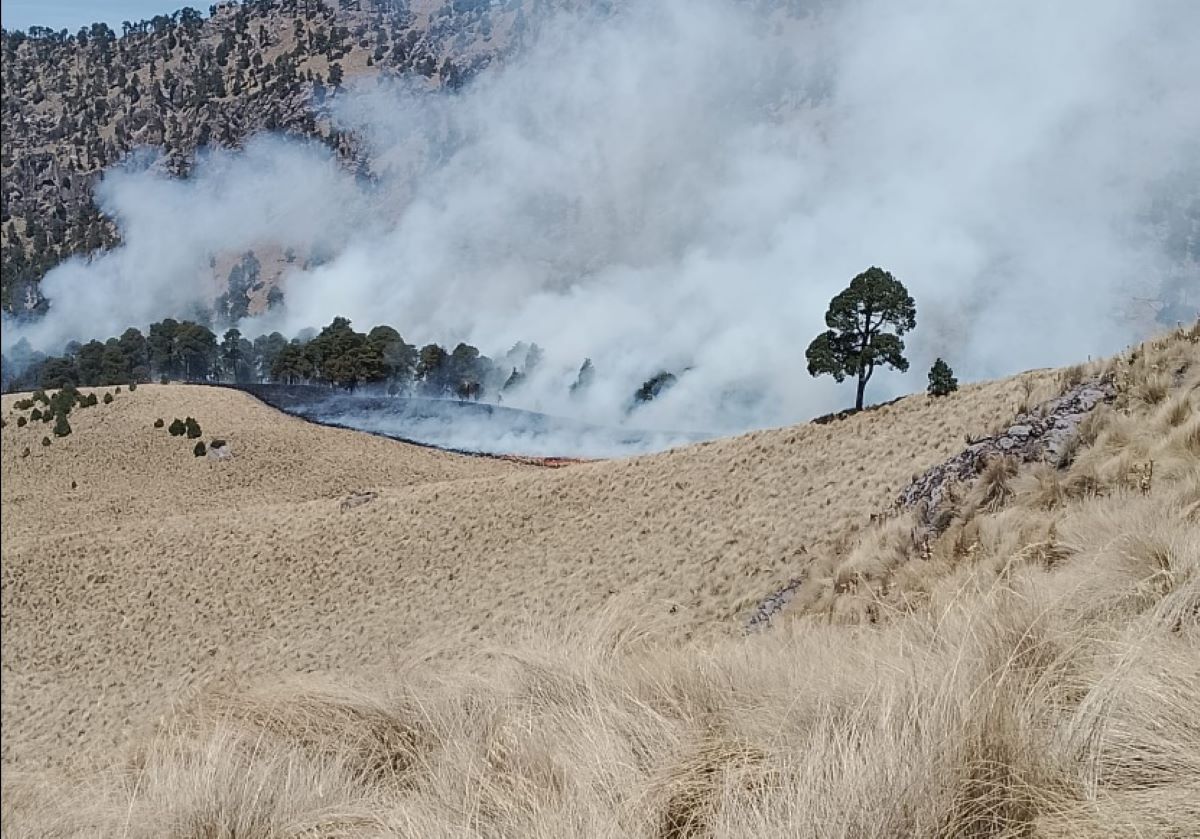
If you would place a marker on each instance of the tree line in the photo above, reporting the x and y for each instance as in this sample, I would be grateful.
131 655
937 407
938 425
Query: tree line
866 322
337 356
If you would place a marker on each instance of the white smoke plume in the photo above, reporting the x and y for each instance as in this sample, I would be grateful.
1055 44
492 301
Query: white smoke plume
684 185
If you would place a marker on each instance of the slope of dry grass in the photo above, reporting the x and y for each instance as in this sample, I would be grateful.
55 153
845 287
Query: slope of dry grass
161 572
127 472
1037 674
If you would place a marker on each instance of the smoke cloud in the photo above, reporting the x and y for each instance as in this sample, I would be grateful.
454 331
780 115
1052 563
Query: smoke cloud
684 186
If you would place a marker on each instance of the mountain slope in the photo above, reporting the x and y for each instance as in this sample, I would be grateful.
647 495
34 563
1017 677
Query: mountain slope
211 569
74 104
509 651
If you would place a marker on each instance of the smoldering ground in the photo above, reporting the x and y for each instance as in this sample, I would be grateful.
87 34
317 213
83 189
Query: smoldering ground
465 425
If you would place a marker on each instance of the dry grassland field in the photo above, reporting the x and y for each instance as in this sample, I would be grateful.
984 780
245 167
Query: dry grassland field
195 647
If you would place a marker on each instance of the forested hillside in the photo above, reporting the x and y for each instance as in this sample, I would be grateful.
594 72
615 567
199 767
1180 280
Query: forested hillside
76 103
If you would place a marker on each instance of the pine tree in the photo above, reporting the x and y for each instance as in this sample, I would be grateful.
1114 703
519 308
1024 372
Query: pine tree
587 373
941 379
856 343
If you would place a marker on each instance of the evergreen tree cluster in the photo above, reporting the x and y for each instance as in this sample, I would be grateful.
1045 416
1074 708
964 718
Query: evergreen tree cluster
337 356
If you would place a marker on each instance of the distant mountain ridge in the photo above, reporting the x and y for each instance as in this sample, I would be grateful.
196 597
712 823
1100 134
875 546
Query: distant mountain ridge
75 103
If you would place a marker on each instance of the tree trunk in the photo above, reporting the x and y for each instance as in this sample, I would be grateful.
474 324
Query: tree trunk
863 372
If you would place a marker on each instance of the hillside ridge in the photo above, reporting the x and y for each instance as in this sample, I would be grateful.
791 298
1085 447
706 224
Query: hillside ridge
562 647
77 103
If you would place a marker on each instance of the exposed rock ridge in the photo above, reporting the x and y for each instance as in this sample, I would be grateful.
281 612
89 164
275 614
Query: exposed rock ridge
1045 433
772 605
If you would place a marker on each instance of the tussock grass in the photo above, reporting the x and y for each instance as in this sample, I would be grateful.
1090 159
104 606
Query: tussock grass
1045 702
1035 672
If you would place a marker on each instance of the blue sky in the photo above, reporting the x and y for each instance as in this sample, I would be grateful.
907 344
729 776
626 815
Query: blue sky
73 14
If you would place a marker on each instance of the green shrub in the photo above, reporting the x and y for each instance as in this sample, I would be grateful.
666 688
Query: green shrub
23 404
164 380
39 395
177 427
118 390
108 397
21 421
63 401
192 427
216 443
92 400
132 387
941 379
35 414
158 423
198 450
62 428
45 441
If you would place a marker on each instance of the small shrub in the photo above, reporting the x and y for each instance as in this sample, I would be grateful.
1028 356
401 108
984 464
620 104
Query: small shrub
63 401
40 396
1177 412
47 415
62 428
21 421
158 423
164 380
177 427
35 414
92 400
1072 376
192 428
941 379
132 387
217 443
45 441
118 390
1153 389
108 398
993 486
23 404
198 450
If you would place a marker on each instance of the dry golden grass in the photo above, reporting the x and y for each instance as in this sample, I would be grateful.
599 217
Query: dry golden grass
1037 674
161 572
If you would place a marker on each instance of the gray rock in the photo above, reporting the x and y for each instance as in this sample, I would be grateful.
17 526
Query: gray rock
1040 435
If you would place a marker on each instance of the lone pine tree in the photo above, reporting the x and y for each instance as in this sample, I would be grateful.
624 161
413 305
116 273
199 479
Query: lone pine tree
941 379
857 341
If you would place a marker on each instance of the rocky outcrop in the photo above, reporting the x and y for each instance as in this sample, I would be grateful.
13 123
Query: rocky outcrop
357 499
772 605
1044 434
